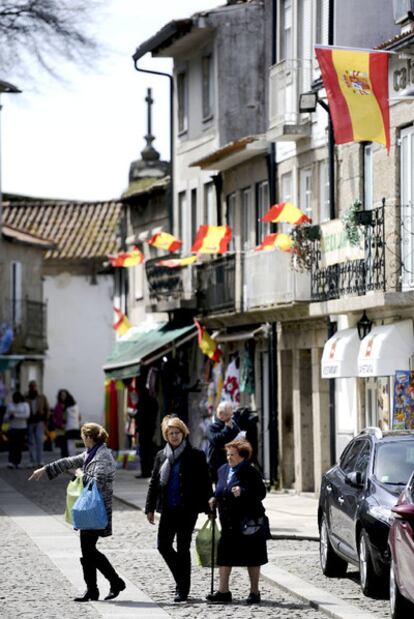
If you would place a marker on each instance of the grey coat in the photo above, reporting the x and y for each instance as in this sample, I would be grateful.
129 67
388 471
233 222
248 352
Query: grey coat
101 468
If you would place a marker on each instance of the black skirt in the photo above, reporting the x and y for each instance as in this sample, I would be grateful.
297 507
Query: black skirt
235 549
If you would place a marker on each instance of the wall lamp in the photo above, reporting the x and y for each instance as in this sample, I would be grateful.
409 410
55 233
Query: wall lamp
308 102
364 325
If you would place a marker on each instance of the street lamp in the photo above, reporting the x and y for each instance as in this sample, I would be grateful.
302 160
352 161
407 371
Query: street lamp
308 102
364 325
5 87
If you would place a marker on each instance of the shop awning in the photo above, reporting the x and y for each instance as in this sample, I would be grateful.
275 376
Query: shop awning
143 348
7 362
340 355
386 349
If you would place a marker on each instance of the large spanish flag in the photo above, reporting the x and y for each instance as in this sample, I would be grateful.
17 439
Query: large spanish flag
287 213
206 343
164 240
212 239
356 83
276 240
127 258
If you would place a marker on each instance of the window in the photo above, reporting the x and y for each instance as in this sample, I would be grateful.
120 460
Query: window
368 177
249 228
322 22
231 216
350 456
182 101
194 227
210 208
286 195
285 48
305 42
262 206
138 281
184 220
305 198
207 85
407 202
324 203
362 462
16 292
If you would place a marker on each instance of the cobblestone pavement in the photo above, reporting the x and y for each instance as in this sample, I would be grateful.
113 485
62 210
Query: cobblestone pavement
34 587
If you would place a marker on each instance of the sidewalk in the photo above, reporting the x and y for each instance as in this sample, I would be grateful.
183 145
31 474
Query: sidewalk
291 516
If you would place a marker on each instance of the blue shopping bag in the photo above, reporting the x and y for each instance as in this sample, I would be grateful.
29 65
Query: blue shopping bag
89 510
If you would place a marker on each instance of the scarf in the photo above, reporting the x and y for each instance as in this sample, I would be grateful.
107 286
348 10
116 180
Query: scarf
90 454
171 456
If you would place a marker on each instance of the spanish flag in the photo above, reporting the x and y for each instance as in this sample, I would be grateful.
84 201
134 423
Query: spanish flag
356 83
207 345
175 263
277 240
166 241
127 258
212 239
122 324
286 212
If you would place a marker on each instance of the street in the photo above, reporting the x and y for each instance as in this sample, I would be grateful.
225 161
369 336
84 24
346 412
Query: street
33 585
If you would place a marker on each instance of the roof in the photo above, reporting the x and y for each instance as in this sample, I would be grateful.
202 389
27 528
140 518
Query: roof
224 157
79 230
400 40
15 234
145 186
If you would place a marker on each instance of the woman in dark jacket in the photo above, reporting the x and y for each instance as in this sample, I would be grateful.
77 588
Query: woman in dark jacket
244 529
179 489
98 464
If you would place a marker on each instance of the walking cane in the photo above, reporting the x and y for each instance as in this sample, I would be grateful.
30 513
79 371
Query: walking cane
213 534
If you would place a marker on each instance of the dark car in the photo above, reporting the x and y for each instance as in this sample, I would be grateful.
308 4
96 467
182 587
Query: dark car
356 498
401 542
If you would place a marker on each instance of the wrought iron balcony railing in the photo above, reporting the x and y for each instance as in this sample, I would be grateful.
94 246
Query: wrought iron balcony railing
217 284
166 284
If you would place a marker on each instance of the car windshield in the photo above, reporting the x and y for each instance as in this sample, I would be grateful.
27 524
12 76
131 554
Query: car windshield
394 462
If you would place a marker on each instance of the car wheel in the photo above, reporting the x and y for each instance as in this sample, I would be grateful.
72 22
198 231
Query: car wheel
368 579
331 564
400 607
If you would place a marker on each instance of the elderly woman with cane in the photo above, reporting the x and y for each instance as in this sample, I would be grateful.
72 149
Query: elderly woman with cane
179 489
244 527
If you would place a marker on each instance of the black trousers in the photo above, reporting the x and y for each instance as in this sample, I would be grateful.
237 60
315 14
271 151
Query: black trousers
177 523
93 559
17 439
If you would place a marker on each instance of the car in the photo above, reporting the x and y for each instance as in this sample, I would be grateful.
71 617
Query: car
355 502
401 544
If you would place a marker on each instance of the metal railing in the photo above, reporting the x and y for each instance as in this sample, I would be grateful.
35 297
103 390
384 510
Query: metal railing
217 284
165 283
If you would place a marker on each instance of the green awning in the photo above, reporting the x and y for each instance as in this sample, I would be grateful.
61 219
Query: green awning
7 362
128 356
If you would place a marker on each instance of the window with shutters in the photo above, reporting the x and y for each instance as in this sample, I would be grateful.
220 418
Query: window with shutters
285 36
262 206
185 229
210 206
305 193
194 223
286 195
324 204
249 228
231 217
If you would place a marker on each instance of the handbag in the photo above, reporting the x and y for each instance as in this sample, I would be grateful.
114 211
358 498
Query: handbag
88 512
73 491
204 543
256 526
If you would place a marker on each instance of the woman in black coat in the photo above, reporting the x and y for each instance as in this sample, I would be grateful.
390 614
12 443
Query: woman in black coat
244 529
179 489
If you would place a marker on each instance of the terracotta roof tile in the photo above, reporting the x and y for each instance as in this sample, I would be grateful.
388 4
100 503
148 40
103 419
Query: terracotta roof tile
79 230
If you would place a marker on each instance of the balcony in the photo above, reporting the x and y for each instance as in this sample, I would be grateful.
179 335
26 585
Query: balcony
354 277
28 320
170 289
270 280
217 285
287 80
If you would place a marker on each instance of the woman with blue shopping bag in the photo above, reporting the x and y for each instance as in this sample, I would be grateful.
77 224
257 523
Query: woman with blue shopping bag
92 512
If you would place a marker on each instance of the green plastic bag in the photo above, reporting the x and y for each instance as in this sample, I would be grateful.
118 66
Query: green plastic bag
73 491
204 542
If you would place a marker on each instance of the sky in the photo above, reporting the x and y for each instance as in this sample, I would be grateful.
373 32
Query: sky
75 138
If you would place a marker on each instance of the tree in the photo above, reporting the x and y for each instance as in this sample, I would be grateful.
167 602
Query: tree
45 32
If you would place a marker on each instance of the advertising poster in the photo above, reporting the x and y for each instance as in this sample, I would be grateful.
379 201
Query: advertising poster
403 413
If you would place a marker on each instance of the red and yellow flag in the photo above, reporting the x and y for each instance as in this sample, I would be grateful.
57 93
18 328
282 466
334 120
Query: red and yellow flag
122 324
175 263
127 258
277 240
212 239
286 212
164 240
356 84
207 345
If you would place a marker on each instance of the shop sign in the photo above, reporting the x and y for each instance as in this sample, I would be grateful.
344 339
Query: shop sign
401 75
335 245
403 410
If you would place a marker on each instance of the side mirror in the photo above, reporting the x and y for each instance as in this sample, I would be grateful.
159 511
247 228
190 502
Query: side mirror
354 479
404 512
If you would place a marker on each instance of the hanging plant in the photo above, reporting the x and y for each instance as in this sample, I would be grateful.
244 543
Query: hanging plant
350 219
302 249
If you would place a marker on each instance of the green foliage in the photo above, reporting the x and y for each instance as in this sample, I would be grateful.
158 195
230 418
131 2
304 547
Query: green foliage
350 221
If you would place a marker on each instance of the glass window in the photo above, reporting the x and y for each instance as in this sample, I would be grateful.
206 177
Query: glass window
194 226
349 457
207 77
285 47
138 281
305 198
324 203
210 207
249 229
394 462
184 220
262 206
182 102
322 22
286 195
407 201
368 177
362 462
16 292
231 217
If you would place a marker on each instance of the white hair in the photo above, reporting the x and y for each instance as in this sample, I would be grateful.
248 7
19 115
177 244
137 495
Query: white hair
225 406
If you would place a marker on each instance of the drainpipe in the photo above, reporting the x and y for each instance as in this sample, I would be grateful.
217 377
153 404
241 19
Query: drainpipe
218 185
171 196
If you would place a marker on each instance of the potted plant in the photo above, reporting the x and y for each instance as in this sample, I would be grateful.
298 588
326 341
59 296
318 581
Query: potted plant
350 221
302 250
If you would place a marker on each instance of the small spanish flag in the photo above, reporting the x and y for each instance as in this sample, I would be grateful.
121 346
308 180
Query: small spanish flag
212 239
277 240
207 345
356 84
122 324
166 241
175 263
286 212
127 258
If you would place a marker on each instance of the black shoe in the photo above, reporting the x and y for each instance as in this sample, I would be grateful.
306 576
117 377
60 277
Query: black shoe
254 598
90 595
116 589
180 596
219 598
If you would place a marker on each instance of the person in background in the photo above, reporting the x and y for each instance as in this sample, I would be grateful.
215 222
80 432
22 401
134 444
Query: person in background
222 430
71 422
17 414
97 464
239 493
145 423
203 426
39 412
179 488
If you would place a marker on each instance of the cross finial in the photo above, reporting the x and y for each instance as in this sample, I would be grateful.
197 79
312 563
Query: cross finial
149 153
